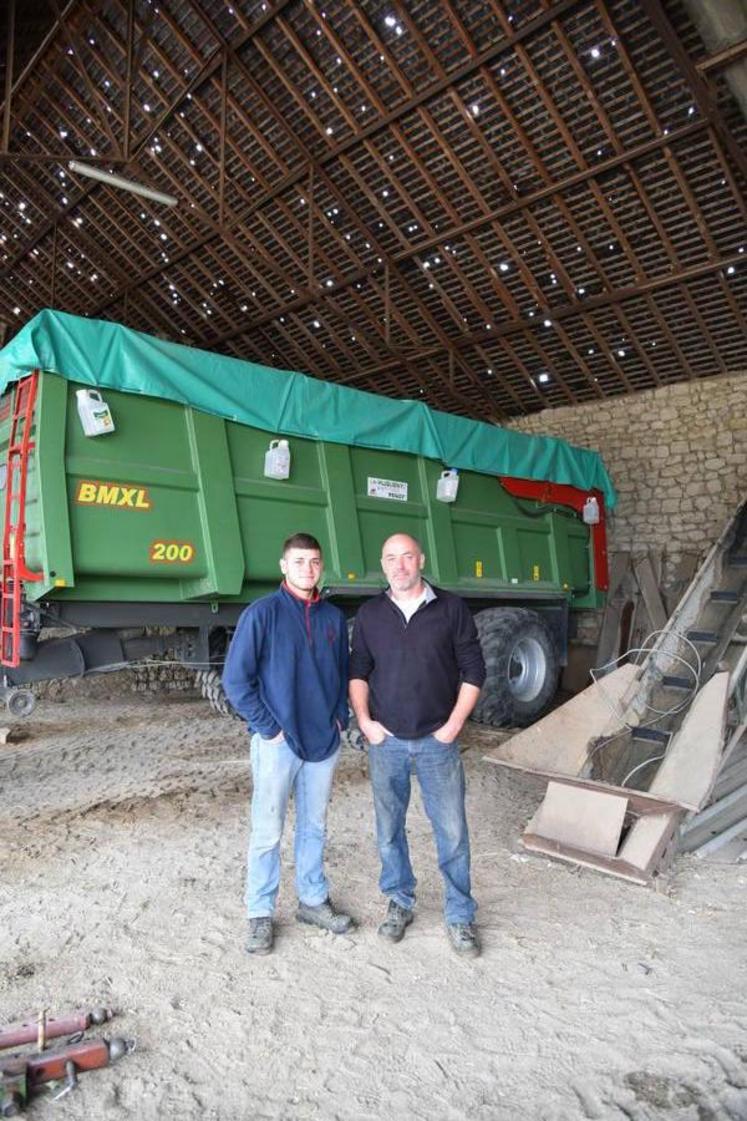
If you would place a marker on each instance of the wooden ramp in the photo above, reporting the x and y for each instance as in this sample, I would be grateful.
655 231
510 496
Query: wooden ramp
615 829
645 747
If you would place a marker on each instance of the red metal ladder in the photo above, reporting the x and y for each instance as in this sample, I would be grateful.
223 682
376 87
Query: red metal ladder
14 570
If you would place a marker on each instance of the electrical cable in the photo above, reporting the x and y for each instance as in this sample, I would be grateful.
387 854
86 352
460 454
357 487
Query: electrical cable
640 766
659 714
645 649
114 667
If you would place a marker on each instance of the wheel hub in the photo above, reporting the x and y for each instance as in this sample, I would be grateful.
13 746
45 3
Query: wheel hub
527 669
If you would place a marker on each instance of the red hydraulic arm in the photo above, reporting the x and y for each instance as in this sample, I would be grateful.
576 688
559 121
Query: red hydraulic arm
561 494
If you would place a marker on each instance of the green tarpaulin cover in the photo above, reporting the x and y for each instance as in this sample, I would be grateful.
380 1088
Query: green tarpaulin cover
99 353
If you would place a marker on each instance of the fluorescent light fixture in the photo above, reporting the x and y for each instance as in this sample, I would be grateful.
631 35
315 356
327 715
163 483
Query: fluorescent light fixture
113 180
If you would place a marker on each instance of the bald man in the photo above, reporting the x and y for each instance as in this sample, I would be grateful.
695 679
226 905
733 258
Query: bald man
416 671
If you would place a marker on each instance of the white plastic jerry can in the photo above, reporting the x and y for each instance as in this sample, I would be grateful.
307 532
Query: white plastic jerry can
590 512
448 485
94 413
277 460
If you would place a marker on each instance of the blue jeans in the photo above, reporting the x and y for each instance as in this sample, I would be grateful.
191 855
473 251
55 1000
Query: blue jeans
440 773
276 772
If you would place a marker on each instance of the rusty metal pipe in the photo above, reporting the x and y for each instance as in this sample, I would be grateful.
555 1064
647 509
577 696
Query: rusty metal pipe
54 1026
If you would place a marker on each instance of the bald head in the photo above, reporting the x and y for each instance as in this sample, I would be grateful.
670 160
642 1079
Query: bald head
402 560
401 540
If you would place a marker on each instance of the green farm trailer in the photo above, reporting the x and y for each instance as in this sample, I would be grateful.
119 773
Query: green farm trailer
139 515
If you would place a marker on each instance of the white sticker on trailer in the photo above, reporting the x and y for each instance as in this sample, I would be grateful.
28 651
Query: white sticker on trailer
387 488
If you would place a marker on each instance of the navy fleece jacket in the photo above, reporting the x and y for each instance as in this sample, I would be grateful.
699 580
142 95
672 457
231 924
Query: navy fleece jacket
287 670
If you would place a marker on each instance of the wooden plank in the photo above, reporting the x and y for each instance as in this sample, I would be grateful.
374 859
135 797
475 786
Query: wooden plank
689 769
644 574
649 851
619 564
559 742
571 855
641 801
649 839
591 820
607 647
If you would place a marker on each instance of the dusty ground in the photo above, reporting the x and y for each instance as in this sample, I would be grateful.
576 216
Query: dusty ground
123 824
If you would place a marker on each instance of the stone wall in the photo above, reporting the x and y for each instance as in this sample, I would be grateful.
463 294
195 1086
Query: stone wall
677 457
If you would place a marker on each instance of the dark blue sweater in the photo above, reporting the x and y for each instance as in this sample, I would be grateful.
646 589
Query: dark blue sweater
287 669
415 670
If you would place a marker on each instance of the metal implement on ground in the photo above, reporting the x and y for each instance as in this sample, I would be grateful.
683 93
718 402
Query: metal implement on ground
46 1027
126 512
21 1075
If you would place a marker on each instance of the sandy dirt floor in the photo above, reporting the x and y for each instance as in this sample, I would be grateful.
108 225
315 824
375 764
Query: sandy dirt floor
123 825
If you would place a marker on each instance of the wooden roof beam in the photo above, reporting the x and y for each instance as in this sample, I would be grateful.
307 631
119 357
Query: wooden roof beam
605 299
717 61
76 47
557 187
701 91
31 65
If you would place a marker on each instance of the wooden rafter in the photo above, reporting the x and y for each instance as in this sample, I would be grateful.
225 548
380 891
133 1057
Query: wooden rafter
494 213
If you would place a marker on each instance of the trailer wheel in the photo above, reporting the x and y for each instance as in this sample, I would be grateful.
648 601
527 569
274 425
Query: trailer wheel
20 702
212 690
522 666
209 681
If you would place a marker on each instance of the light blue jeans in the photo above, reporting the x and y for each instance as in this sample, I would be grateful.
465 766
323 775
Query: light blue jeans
276 772
439 770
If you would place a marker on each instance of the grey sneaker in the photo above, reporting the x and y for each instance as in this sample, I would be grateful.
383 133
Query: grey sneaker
396 922
261 936
464 939
325 916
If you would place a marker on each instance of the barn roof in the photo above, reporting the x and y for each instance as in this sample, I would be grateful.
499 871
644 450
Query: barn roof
489 206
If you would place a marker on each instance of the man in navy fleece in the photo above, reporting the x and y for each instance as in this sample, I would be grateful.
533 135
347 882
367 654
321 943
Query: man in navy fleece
286 674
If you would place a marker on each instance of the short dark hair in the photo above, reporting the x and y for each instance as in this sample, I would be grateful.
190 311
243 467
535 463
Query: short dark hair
301 541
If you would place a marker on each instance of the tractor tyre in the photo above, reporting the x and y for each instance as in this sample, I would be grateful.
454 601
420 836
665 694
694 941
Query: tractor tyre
522 666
